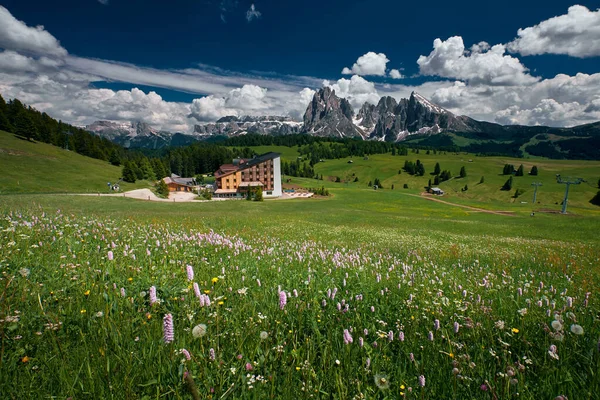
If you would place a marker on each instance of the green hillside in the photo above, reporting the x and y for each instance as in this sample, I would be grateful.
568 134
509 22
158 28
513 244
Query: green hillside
35 167
485 195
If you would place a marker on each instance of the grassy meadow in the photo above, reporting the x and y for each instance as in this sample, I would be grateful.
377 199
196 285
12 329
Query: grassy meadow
35 167
361 295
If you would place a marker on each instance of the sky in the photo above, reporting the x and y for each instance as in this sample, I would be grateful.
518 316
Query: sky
185 62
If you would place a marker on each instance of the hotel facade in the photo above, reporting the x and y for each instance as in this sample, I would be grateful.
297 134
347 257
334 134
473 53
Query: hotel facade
243 175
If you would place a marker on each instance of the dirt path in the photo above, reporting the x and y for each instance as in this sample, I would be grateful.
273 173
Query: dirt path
428 196
148 195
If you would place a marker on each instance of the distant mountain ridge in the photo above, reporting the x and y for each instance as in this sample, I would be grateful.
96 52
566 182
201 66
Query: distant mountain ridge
328 115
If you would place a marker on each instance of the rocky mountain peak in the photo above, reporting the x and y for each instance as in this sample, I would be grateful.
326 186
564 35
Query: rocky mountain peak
329 115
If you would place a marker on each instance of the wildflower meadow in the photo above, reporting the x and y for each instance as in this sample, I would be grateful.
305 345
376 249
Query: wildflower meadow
95 307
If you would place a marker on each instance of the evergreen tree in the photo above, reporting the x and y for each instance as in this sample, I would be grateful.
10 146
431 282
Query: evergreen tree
463 172
436 180
406 186
128 173
437 169
508 184
420 169
596 199
429 183
519 171
393 151
5 124
356 179
258 195
147 170
25 127
114 158
534 171
400 172
162 189
159 168
392 186
370 184
508 169
481 180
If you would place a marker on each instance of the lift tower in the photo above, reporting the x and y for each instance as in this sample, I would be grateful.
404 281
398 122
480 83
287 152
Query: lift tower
568 182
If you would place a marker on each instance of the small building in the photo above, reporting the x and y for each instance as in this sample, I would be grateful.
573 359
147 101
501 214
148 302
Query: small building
437 191
178 184
243 175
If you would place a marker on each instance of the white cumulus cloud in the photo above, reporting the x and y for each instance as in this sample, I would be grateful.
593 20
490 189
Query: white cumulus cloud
357 90
576 34
368 64
16 35
482 65
395 74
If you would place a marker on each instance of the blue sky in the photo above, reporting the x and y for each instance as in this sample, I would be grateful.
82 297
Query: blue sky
207 58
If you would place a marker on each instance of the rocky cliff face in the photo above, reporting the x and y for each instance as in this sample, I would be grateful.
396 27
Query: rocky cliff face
329 115
131 134
234 126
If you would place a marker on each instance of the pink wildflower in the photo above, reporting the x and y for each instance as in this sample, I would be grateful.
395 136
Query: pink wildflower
168 332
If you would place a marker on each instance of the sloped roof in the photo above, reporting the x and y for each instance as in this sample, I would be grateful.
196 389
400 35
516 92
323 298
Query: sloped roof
227 169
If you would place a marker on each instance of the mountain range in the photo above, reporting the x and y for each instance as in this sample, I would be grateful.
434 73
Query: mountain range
327 115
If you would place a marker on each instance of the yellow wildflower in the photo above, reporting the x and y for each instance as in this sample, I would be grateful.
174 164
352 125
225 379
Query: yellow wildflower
25 359
214 280
83 311
402 387
130 279
207 291
297 368
220 303
87 293
515 330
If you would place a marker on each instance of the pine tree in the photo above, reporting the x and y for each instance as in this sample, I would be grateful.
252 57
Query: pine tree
463 172
429 184
114 158
481 180
25 127
534 171
5 124
508 184
128 173
596 199
436 180
162 189
147 170
519 171
437 169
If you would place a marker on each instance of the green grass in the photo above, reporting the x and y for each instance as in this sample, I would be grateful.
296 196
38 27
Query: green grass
76 324
486 195
35 167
